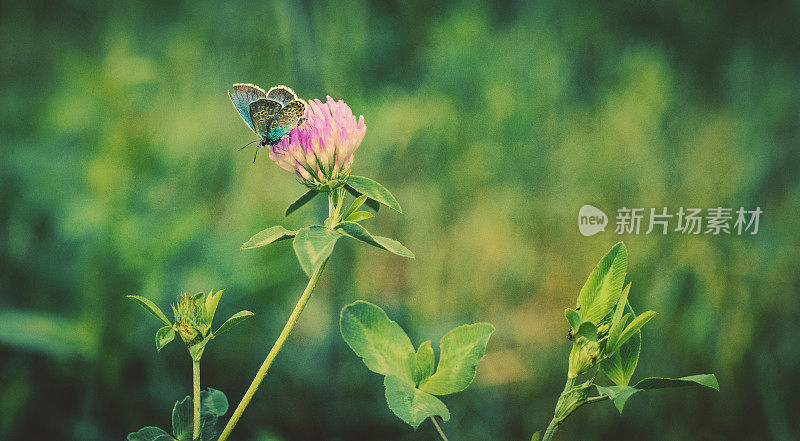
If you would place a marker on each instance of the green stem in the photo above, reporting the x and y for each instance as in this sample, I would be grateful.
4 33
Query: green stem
262 371
196 395
439 429
551 430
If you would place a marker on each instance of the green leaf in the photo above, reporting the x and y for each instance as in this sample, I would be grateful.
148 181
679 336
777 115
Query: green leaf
604 286
620 394
461 350
182 415
356 231
355 205
618 321
164 335
150 433
302 200
268 236
313 245
196 350
380 342
424 362
358 216
635 326
374 190
150 307
537 436
233 321
617 394
212 301
620 365
707 380
588 331
573 318
411 404
213 402
371 203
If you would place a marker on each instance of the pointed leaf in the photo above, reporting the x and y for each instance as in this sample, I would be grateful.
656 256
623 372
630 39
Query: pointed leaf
357 231
268 236
182 415
617 394
604 286
537 436
620 394
150 307
150 433
619 366
313 245
164 335
375 191
212 301
233 321
302 200
707 380
618 321
380 342
461 350
355 205
411 404
358 216
635 326
424 362
371 203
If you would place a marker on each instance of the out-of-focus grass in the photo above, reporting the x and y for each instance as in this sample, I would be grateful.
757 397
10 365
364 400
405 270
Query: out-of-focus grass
492 126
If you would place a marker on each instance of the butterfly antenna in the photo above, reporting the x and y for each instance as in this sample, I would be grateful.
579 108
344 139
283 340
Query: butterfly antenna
256 155
244 146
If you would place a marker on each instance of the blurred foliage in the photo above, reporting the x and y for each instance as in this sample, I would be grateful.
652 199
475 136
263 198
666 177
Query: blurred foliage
491 124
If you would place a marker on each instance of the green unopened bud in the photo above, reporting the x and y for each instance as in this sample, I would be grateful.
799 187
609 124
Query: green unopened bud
191 318
585 353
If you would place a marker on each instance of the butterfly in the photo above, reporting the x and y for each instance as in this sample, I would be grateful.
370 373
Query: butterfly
271 115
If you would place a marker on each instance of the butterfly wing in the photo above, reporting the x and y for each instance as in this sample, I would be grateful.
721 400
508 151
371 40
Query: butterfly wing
282 94
286 120
243 95
262 112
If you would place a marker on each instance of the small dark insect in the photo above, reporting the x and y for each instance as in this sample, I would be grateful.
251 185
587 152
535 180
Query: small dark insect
578 308
569 334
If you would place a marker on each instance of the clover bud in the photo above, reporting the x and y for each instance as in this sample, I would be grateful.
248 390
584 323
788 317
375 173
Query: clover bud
190 318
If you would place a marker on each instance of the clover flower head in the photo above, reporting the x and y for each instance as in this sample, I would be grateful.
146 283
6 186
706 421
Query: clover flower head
320 151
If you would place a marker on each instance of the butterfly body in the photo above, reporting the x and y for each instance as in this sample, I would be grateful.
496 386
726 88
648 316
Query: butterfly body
271 115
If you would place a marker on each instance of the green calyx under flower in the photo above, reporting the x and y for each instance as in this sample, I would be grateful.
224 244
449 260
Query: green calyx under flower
326 184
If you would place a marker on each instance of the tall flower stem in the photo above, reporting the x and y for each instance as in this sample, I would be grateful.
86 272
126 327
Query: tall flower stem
334 208
196 396
438 429
262 371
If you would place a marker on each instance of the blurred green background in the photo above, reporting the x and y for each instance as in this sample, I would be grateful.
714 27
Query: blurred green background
491 123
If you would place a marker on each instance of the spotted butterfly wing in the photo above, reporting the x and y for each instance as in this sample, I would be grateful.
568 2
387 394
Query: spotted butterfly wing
243 95
282 94
289 118
262 112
